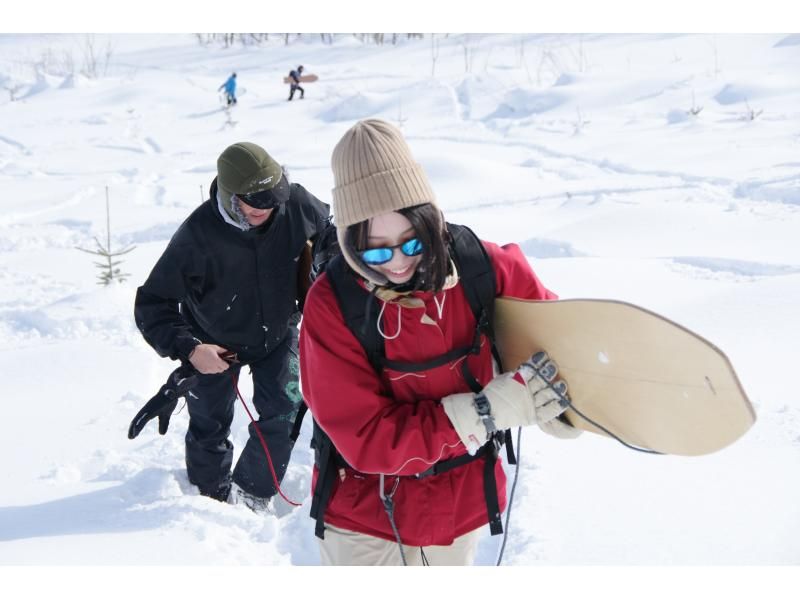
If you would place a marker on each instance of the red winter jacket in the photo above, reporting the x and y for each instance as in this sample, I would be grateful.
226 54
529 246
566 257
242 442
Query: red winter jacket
393 423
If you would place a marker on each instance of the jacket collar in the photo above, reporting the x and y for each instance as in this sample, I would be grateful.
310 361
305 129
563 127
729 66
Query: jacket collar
410 298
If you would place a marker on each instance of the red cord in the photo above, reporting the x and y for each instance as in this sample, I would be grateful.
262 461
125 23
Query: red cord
263 444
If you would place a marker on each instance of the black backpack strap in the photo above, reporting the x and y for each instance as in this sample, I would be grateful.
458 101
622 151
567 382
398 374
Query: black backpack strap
478 279
490 492
357 313
358 309
328 463
406 367
448 464
298 421
476 274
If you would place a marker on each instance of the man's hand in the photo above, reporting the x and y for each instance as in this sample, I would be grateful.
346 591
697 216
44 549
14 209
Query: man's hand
207 359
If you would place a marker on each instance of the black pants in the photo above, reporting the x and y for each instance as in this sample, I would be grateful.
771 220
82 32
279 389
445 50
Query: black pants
276 397
294 88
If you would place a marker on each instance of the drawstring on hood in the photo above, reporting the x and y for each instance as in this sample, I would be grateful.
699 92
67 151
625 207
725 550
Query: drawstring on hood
388 295
399 321
440 306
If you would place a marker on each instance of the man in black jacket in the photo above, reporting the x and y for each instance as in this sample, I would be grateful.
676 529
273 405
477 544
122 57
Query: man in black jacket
227 284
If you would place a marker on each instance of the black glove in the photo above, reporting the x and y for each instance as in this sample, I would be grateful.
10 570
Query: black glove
179 383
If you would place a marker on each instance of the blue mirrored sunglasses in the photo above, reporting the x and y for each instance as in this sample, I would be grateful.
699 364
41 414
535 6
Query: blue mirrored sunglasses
381 255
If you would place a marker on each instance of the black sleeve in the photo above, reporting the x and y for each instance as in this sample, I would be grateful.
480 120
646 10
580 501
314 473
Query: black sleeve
156 306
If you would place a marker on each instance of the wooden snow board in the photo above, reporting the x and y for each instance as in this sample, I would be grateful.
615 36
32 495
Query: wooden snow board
303 79
650 381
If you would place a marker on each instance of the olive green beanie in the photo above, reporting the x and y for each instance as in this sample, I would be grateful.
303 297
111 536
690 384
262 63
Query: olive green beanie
245 168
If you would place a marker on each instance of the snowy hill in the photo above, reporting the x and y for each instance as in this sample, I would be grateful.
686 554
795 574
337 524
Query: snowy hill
663 170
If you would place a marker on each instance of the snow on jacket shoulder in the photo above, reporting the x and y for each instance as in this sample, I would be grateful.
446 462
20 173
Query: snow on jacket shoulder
393 422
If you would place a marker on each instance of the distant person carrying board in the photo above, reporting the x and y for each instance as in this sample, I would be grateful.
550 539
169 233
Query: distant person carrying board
230 89
295 82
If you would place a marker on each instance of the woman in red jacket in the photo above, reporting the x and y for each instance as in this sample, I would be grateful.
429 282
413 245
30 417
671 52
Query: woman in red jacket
410 484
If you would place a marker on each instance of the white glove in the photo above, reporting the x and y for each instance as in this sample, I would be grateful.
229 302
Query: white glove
521 398
560 429
540 370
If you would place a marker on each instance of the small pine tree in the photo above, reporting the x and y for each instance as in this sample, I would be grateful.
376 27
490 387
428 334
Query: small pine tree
109 268
751 114
401 120
695 109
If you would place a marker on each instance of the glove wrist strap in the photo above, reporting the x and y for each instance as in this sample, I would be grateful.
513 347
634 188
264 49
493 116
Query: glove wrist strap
484 410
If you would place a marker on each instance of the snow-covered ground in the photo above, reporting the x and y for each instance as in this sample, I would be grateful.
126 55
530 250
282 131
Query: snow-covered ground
582 149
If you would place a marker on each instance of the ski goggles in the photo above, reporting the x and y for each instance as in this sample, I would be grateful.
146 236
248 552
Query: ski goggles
268 198
382 255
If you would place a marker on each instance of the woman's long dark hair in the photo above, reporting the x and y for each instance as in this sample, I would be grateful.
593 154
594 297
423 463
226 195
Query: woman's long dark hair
430 229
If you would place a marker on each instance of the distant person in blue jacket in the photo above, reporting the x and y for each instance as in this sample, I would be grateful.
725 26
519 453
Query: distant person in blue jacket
230 89
295 81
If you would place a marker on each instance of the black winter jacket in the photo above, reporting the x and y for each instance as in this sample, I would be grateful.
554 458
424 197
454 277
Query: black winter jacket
216 283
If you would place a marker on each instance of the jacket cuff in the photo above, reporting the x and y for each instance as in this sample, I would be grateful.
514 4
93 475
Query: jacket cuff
460 409
184 346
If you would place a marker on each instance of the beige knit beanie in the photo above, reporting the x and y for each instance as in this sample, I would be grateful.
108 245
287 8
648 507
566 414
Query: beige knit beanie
374 173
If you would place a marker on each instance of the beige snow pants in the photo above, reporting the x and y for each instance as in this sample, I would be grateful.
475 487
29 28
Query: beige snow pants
343 547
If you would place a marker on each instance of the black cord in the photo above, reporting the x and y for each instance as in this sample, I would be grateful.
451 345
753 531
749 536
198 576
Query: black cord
388 504
510 499
566 401
607 431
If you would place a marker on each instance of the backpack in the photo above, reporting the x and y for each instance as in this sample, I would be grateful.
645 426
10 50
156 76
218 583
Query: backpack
477 277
